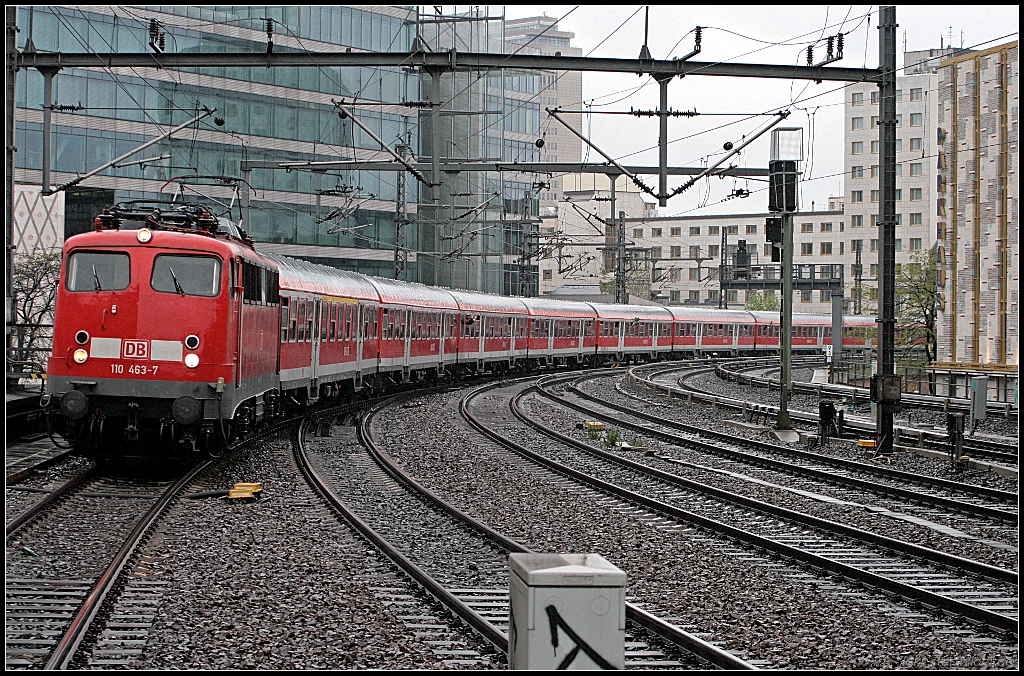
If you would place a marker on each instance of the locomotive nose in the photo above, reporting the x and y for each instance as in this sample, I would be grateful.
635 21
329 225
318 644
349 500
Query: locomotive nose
74 405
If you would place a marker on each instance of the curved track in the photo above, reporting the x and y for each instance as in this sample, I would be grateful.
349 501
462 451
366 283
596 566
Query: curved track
956 496
849 554
479 597
657 377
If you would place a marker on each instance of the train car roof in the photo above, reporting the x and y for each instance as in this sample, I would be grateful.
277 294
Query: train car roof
700 314
405 293
649 313
867 320
300 275
805 318
549 307
470 301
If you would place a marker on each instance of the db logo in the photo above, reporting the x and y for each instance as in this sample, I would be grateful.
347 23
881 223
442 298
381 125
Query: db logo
135 349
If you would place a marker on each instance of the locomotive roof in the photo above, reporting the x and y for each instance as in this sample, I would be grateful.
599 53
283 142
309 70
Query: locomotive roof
300 275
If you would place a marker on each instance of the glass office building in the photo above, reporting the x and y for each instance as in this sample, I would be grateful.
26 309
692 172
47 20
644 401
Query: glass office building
282 114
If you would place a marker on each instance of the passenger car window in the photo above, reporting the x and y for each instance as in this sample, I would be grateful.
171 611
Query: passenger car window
97 271
186 275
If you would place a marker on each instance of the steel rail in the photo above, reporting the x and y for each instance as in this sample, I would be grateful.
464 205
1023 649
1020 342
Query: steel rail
51 499
434 588
935 556
65 650
20 474
923 400
848 465
975 613
992 450
981 491
778 465
706 651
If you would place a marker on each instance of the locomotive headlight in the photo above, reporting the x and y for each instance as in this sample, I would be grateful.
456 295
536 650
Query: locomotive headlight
144 235
81 356
191 360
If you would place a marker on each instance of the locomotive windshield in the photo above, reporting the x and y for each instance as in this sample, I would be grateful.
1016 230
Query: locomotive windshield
186 275
95 271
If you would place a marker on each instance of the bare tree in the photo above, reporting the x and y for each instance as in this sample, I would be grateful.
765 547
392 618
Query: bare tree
35 292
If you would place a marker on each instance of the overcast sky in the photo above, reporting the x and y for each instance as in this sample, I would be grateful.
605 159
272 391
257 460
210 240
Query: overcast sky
920 26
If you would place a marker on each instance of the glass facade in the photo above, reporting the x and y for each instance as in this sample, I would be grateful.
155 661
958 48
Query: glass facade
286 115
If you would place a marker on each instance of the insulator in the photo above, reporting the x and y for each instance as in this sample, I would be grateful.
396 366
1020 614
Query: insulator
696 39
810 55
840 45
154 30
163 41
270 29
828 52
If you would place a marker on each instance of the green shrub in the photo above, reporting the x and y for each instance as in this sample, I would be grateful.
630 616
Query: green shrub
612 437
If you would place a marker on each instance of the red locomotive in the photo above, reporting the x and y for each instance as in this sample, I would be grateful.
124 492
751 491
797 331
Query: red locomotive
172 329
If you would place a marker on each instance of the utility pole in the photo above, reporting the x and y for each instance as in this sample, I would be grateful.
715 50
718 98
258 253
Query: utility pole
401 250
621 291
786 323
786 152
526 237
723 302
858 279
885 384
12 79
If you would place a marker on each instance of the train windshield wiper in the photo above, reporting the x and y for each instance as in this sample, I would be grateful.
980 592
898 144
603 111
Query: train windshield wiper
96 278
177 287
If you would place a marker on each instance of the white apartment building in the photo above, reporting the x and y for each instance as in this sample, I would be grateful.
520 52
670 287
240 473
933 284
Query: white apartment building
688 252
916 152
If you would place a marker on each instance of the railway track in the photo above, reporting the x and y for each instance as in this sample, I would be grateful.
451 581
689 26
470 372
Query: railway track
29 456
948 495
49 612
982 594
91 527
657 378
425 535
997 450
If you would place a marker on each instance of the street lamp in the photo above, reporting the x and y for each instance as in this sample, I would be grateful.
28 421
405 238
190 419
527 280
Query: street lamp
787 151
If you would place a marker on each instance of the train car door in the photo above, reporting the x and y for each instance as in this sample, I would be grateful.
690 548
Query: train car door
315 348
579 324
442 321
406 318
360 330
509 328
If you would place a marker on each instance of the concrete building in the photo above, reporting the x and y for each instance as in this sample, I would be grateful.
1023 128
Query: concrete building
916 121
687 253
541 35
977 208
